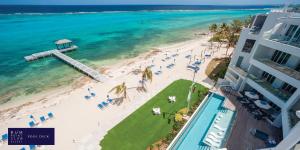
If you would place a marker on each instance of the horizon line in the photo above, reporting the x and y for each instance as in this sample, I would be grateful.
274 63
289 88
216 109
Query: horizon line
144 4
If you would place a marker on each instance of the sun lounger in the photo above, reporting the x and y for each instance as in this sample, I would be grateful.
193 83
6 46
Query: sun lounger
100 106
259 134
50 115
167 58
219 128
31 116
214 138
110 100
151 66
212 143
194 68
170 66
42 118
197 63
23 148
158 72
104 103
31 124
216 135
32 147
87 97
93 94
4 137
188 56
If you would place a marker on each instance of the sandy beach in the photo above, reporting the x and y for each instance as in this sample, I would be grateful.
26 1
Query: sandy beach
80 124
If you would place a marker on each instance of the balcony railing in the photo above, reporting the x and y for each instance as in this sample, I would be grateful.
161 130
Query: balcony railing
285 40
284 69
266 85
293 41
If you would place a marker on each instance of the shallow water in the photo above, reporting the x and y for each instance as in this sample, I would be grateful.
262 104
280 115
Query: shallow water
100 36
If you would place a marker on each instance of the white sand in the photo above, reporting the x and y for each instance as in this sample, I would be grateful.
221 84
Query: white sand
79 124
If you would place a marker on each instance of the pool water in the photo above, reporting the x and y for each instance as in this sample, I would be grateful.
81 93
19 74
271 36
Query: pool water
193 135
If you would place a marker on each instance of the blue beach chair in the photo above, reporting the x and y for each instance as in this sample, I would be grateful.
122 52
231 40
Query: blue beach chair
93 94
87 97
104 103
31 117
32 147
42 118
110 100
100 106
50 115
188 56
31 124
23 148
4 137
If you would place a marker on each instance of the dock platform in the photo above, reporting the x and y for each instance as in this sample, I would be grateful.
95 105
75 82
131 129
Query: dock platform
39 55
65 46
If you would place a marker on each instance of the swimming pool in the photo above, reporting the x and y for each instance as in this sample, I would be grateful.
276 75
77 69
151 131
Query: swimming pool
193 134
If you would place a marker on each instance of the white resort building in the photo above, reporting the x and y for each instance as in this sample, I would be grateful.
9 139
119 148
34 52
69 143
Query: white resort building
267 60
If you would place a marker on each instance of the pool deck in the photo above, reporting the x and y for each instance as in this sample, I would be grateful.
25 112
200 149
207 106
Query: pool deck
240 138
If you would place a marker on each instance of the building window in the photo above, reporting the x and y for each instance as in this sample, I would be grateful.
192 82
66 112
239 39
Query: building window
290 32
248 46
269 78
288 88
298 67
239 61
280 57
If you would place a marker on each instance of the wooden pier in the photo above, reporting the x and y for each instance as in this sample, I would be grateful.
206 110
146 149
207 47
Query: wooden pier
85 69
39 55
65 46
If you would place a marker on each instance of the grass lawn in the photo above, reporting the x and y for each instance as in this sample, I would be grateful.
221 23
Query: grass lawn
142 128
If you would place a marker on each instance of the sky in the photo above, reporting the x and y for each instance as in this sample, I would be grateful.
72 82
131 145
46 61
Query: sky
175 2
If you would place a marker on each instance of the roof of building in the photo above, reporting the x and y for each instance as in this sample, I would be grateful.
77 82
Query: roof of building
63 41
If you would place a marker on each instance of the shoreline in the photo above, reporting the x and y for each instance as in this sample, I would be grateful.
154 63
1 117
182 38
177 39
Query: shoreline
83 79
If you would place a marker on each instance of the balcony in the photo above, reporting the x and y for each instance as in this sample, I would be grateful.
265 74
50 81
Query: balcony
285 31
238 70
284 69
258 23
285 40
292 114
280 94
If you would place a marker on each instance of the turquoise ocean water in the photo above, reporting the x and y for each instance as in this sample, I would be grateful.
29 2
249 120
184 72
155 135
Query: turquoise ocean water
100 36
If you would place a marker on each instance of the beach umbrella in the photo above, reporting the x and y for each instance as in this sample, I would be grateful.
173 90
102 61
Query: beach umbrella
262 104
251 95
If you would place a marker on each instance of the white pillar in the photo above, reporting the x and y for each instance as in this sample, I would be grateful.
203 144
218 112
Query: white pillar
293 99
290 140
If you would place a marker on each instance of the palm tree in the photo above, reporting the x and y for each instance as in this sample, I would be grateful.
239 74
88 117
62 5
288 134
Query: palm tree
231 41
236 26
216 38
213 28
247 22
146 75
120 89
223 27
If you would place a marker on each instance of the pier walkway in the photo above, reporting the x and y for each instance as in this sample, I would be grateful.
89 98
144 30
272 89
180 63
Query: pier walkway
66 45
85 69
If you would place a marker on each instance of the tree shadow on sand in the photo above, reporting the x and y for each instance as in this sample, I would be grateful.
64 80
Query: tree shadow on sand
118 101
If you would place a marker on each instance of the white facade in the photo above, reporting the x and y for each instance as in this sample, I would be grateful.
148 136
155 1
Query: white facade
267 60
